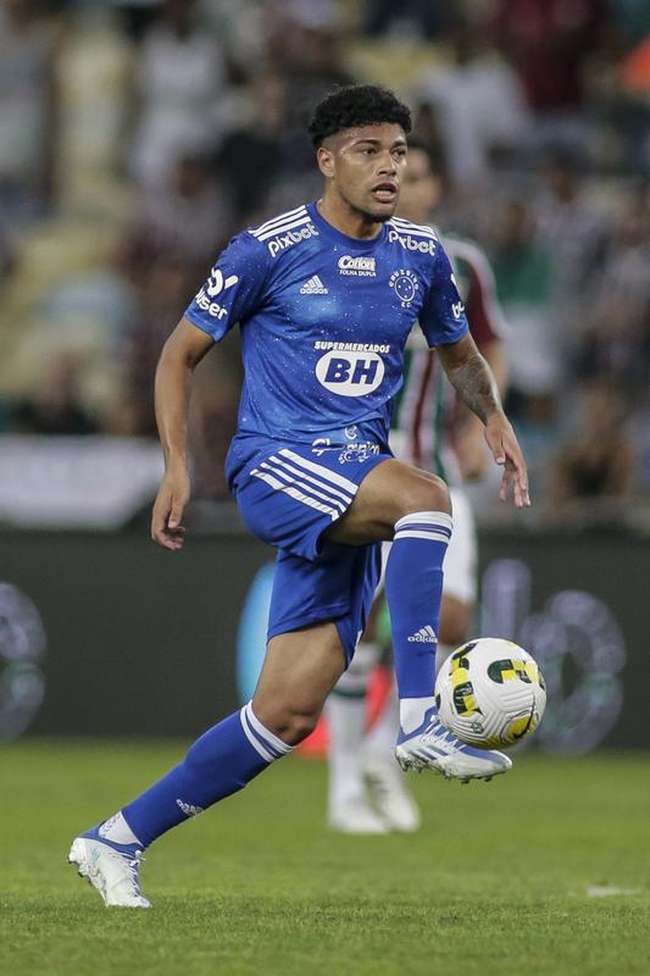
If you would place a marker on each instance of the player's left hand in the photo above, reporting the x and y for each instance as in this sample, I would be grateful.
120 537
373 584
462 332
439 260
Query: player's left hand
503 443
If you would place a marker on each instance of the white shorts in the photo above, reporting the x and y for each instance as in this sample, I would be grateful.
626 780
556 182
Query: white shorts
460 566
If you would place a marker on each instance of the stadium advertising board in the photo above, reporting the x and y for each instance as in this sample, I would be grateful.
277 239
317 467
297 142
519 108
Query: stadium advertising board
189 628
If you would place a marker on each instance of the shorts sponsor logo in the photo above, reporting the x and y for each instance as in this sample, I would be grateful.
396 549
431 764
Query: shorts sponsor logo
350 374
292 237
322 444
358 452
212 308
351 451
406 285
425 246
359 267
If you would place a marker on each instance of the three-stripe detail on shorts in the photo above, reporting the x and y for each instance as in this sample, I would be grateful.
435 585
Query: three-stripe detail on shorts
307 482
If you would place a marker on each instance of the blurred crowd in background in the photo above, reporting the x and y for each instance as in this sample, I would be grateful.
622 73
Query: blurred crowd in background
136 137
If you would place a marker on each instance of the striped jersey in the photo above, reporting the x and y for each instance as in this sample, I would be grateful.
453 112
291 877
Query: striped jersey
422 428
324 320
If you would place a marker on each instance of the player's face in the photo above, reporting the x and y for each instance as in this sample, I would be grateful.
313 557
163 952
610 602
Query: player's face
421 188
366 165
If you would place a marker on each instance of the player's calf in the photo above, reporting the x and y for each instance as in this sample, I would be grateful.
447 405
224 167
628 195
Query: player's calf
300 669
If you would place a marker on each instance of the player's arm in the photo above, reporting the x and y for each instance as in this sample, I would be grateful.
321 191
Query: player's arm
470 443
181 354
475 384
231 294
488 328
444 324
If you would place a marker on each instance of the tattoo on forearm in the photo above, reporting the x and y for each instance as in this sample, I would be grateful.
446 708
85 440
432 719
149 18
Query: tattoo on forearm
475 384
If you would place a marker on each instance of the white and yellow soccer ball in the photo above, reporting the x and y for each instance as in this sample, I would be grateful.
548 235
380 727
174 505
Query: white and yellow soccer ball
490 693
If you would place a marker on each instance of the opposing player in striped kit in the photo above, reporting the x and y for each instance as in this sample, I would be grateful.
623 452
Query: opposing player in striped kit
326 297
367 793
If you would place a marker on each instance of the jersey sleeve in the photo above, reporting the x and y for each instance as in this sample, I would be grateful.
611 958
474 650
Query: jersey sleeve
442 318
234 289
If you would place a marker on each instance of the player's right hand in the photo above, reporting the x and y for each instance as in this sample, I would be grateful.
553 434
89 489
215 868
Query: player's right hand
172 497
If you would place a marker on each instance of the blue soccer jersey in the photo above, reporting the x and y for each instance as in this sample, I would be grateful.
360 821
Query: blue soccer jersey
324 319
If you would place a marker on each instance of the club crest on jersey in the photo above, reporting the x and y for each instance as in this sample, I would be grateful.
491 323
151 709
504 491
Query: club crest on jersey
350 374
406 285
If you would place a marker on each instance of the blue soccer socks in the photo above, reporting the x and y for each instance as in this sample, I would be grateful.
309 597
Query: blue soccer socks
222 761
414 593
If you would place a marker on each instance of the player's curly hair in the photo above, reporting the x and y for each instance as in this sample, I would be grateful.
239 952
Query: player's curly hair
353 105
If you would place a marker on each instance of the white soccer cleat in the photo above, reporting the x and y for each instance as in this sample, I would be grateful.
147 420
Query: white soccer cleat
433 746
113 869
356 817
393 800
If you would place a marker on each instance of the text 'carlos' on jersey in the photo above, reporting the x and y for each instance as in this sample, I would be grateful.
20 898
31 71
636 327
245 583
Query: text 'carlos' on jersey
324 319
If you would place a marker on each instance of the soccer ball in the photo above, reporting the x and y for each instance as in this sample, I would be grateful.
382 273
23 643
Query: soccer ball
490 693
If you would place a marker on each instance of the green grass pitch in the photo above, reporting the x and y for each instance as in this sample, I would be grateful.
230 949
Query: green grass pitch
495 883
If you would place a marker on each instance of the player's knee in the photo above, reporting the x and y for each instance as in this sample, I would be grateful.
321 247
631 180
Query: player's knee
296 726
289 724
300 726
424 493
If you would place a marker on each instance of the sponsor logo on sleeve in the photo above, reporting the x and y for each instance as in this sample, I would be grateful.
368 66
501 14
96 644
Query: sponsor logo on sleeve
212 308
457 308
216 282
215 285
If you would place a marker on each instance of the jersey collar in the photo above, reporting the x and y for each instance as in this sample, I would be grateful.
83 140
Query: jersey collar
350 243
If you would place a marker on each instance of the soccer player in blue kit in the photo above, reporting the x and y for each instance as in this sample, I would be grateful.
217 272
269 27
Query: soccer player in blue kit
325 296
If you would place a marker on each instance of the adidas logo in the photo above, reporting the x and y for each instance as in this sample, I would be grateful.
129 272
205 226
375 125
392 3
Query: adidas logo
425 635
189 809
314 287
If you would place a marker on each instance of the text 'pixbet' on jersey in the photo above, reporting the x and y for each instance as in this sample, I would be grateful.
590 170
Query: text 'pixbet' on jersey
324 319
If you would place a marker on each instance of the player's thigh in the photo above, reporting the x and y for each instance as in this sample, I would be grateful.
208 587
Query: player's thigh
390 491
300 669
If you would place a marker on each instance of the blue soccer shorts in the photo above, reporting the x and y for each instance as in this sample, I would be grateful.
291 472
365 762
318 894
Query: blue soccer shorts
289 495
